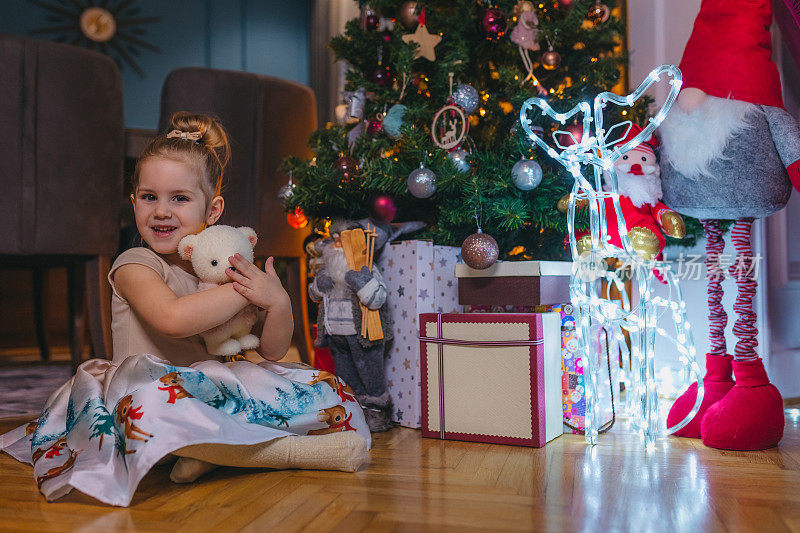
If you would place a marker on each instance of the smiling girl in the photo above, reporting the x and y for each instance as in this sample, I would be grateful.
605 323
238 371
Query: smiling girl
162 394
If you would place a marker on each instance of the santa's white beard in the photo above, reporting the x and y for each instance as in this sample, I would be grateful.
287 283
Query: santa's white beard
641 189
335 264
691 141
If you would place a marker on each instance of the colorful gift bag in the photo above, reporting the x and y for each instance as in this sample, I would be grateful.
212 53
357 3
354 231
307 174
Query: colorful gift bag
419 278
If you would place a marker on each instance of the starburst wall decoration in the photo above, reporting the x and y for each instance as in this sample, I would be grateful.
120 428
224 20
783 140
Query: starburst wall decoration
112 27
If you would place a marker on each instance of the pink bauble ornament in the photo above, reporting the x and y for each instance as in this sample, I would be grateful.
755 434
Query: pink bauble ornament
493 23
479 251
375 126
383 208
551 59
577 133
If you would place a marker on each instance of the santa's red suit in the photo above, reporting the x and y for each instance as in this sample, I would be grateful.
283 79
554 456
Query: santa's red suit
647 218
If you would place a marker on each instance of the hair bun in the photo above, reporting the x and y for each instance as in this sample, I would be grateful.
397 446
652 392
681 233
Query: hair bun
212 134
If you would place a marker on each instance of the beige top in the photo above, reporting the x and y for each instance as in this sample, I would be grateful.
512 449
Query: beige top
131 335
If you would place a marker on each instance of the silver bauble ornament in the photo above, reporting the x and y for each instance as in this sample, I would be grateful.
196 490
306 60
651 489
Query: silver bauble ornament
459 159
422 182
285 193
466 97
479 251
527 174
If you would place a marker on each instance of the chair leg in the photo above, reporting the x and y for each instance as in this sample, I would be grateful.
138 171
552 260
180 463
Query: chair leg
38 312
98 293
296 280
76 295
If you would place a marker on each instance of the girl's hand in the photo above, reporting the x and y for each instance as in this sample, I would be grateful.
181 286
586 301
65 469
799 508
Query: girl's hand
261 288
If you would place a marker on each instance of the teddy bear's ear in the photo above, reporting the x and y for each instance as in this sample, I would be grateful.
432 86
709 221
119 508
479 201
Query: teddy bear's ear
250 233
186 246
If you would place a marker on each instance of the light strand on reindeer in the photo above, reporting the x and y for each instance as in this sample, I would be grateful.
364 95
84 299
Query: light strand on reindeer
596 310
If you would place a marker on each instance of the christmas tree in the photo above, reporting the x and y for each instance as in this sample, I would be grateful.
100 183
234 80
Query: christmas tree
407 61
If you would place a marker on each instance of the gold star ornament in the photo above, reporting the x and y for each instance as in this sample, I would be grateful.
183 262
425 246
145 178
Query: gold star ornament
426 41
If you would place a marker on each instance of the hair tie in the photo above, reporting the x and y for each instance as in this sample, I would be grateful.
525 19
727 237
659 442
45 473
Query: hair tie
193 136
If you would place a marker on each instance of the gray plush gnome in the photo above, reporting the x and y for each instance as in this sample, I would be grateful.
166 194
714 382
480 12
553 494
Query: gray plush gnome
730 151
341 292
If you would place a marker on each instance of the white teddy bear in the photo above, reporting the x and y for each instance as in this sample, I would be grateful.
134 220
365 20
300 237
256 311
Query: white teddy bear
209 251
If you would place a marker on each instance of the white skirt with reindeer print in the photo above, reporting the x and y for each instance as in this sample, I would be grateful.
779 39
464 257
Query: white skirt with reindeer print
104 429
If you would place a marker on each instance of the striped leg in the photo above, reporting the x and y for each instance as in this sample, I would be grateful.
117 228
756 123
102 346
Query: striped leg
750 415
717 317
744 273
717 381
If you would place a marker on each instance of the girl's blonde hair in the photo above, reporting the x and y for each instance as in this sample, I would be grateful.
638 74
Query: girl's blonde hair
209 154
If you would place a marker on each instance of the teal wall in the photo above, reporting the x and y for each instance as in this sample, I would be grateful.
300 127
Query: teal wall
262 36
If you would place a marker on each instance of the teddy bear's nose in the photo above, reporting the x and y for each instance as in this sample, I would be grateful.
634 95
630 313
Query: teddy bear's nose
233 269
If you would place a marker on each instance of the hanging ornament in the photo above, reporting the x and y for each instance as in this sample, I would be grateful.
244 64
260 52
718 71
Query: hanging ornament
460 160
449 127
383 75
450 124
466 97
526 36
408 15
551 59
479 250
493 24
527 174
347 166
369 19
422 182
426 41
564 3
523 6
286 192
563 203
526 33
394 120
375 125
599 13
383 208
573 135
355 101
297 219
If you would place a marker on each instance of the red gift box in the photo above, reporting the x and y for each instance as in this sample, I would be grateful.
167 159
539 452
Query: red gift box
491 377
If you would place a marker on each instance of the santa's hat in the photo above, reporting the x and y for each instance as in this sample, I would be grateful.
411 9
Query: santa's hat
650 144
728 53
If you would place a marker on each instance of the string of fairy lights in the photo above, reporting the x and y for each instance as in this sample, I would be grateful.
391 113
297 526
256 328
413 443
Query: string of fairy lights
597 149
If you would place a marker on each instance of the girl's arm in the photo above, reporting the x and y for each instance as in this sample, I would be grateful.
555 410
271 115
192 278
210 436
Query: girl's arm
276 334
169 314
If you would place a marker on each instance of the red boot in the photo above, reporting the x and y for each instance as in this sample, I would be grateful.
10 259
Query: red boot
716 384
750 416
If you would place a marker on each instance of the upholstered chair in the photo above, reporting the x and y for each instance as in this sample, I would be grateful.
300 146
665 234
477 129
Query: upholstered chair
267 119
61 158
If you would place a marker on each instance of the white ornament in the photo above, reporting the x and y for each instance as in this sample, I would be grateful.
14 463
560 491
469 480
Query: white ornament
449 127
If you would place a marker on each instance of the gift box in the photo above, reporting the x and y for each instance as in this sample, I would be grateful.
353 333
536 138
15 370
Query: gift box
491 377
573 389
515 283
420 278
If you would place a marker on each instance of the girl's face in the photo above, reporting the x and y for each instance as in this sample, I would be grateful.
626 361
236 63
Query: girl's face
169 204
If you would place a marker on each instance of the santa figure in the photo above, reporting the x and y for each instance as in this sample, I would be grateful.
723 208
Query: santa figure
647 218
730 151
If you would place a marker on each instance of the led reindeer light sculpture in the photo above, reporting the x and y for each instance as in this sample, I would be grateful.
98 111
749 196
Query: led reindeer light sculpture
593 306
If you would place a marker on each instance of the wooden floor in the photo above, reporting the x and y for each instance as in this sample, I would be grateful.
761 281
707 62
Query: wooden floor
414 484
